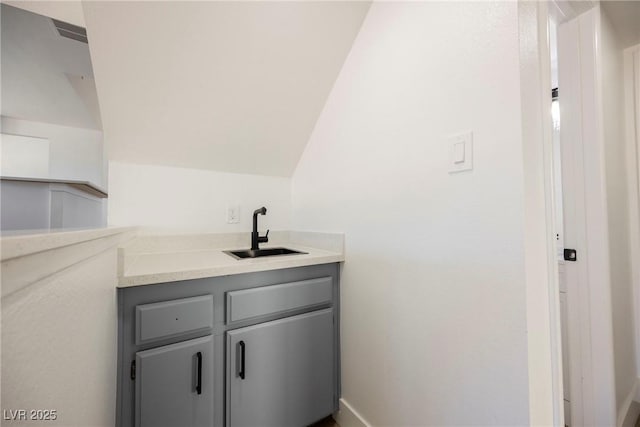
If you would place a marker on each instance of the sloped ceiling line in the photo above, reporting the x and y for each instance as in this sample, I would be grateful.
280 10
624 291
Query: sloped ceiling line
228 86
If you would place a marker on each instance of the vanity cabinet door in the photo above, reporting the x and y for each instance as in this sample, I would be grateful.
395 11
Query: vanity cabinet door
174 385
281 373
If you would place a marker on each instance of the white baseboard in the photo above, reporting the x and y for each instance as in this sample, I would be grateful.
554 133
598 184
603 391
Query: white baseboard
349 417
630 408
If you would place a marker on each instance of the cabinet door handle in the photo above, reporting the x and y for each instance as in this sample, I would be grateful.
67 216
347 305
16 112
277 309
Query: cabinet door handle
241 371
199 376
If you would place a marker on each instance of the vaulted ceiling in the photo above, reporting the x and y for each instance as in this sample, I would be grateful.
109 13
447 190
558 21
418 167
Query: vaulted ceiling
625 17
229 86
45 77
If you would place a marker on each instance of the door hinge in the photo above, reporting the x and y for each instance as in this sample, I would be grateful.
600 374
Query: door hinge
570 255
133 370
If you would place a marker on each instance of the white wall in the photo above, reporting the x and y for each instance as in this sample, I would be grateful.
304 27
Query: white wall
618 213
59 330
168 197
75 153
433 292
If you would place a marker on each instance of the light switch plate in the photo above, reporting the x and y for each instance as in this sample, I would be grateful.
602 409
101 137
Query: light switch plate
460 152
233 214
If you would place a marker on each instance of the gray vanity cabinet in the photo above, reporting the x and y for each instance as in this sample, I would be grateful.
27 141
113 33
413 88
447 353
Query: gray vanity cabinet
281 373
174 385
181 348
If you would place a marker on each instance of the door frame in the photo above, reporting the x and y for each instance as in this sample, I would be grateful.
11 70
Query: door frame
632 136
591 353
546 403
592 385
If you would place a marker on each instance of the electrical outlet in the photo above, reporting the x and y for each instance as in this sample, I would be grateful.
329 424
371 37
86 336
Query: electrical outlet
233 214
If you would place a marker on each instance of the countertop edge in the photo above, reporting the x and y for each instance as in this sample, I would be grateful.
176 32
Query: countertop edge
87 186
273 264
27 244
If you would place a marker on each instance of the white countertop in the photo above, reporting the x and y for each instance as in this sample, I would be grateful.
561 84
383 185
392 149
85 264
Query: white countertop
194 261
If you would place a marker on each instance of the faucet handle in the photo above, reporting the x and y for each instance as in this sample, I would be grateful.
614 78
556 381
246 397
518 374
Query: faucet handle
264 239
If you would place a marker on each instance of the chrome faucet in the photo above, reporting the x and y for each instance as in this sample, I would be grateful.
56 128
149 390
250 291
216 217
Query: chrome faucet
256 239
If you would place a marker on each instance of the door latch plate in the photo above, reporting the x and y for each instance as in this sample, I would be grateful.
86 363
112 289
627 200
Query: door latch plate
570 255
